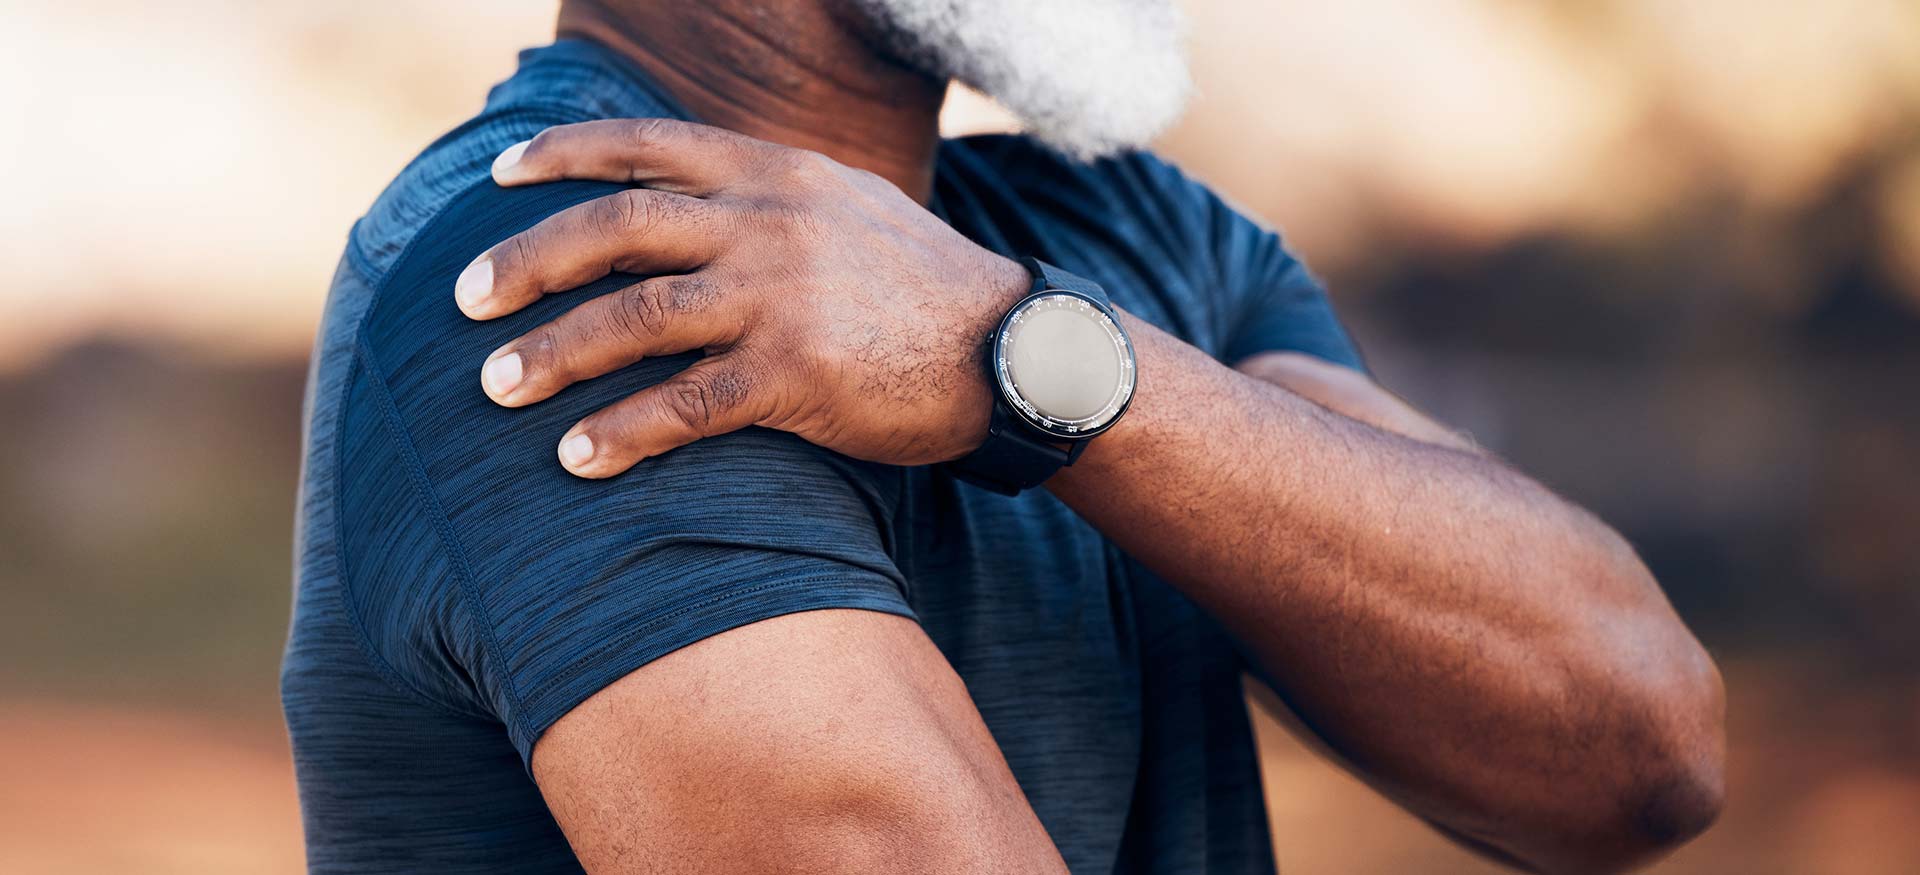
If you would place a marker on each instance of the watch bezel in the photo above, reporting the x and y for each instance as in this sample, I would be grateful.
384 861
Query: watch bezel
1054 427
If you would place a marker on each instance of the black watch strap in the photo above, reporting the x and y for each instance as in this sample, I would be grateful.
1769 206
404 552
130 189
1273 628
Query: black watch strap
1013 458
1046 276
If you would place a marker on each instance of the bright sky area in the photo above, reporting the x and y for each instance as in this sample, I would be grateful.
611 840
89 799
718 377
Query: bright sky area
189 170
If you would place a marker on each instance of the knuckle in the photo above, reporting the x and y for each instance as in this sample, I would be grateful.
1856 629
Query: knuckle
562 350
521 252
625 215
645 133
803 165
642 309
817 164
692 401
701 401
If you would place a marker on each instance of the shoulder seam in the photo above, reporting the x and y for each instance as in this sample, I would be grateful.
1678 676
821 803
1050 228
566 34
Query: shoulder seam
402 436
443 525
362 638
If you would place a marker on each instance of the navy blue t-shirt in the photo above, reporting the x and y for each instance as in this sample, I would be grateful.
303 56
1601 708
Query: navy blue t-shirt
458 591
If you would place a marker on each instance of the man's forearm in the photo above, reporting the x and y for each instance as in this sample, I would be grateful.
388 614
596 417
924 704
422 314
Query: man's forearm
1494 657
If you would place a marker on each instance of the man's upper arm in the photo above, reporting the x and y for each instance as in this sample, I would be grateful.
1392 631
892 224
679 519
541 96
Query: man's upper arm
832 741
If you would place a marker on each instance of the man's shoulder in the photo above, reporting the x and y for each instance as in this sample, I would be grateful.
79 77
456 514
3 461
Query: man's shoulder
443 210
558 84
562 584
416 357
403 445
450 176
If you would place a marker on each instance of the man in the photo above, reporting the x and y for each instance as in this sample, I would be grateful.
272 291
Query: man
772 611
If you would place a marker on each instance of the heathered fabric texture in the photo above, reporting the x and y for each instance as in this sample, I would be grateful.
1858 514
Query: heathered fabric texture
457 592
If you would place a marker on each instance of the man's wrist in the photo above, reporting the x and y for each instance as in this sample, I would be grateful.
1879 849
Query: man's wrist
1003 283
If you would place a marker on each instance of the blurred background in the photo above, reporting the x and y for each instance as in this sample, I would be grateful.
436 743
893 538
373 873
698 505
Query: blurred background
1663 255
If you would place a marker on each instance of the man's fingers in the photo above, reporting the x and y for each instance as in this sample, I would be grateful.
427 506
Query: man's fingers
660 153
637 231
660 316
716 395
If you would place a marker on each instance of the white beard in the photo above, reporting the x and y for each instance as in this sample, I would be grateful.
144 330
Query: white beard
1086 77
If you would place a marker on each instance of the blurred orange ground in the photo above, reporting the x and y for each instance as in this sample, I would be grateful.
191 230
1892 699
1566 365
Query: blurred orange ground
113 789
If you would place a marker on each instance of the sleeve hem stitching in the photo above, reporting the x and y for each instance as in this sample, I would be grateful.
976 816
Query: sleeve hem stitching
525 734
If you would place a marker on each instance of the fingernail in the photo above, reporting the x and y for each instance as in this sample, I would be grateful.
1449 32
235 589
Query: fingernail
576 450
502 375
475 283
503 165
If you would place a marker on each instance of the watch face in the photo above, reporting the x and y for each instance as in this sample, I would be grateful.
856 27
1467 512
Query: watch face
1064 364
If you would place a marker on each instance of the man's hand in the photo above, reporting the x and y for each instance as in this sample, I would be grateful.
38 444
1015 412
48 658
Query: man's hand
829 304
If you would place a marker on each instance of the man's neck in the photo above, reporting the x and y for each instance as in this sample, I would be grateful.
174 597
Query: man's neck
799 73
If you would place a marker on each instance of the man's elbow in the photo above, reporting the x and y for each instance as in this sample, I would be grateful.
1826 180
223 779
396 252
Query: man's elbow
1668 780
1668 707
1678 807
1669 806
1681 786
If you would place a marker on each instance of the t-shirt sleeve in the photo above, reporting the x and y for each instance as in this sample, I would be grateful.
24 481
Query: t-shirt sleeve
1269 299
560 586
1274 302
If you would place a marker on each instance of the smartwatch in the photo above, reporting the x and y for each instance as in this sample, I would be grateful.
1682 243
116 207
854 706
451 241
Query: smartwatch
1062 371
